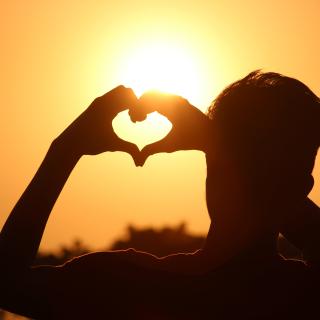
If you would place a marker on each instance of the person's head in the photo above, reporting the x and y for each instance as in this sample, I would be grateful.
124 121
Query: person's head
270 125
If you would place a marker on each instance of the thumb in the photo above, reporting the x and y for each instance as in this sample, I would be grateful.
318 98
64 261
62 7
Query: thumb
164 145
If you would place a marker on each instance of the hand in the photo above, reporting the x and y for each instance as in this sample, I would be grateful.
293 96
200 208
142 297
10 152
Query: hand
92 133
191 127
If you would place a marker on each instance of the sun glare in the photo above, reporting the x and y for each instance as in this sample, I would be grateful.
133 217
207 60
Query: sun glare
162 66
158 66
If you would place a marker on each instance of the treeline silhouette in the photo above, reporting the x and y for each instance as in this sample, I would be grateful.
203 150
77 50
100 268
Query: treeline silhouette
160 242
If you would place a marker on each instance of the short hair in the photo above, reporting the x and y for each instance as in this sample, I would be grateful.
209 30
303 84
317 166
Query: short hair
269 115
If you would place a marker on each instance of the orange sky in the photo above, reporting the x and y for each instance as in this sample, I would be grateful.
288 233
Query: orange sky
56 57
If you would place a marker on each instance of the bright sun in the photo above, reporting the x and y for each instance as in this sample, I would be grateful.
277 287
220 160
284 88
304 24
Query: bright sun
162 66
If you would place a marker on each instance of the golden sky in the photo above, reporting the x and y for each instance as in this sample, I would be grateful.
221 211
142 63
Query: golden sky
57 56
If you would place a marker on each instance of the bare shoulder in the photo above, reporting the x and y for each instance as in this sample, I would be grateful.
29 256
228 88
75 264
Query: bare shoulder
110 259
119 259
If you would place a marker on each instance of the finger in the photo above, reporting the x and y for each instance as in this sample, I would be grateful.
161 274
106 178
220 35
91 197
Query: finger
130 148
136 114
165 104
164 145
120 98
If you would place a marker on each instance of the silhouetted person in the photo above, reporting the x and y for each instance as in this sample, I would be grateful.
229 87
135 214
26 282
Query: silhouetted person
260 137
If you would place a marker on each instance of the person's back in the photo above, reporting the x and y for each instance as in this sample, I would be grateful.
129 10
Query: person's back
253 193
267 133
96 287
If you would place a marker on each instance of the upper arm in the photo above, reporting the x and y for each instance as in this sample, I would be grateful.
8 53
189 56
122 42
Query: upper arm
32 293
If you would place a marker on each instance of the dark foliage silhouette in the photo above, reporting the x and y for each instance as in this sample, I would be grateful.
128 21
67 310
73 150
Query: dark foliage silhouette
157 241
65 253
160 242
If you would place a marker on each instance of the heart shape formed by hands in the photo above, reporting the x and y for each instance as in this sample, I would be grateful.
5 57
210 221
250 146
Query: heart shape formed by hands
154 128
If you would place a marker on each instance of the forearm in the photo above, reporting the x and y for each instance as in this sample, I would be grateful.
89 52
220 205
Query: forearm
21 235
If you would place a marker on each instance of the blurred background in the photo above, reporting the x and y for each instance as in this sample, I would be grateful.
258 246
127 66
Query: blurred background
56 57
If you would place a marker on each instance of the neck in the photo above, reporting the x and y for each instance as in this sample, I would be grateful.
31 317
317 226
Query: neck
239 239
